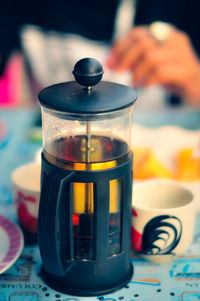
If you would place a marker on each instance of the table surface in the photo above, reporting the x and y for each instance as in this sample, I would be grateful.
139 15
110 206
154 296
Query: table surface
176 280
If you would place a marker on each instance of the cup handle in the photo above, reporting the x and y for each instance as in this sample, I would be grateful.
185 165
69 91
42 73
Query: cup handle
55 188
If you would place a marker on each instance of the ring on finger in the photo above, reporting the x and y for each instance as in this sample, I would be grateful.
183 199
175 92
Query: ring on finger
160 31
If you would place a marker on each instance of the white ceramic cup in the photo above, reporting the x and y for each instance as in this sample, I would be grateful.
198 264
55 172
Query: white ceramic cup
26 194
163 218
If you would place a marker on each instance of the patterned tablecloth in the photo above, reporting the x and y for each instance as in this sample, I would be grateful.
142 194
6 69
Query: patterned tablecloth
177 280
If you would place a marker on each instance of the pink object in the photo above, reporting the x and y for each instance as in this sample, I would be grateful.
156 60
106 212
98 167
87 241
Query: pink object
136 240
134 213
10 82
26 219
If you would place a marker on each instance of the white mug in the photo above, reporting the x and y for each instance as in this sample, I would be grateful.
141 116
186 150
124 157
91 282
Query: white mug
26 194
163 218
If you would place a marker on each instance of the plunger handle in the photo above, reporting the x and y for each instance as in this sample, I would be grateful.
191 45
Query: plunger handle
88 72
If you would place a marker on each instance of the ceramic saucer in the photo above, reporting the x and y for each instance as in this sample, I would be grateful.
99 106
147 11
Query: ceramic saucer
11 243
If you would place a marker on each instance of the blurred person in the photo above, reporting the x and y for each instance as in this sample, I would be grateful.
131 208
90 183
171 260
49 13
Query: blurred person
171 63
53 35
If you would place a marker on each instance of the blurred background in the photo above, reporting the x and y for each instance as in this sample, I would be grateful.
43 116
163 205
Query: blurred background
40 41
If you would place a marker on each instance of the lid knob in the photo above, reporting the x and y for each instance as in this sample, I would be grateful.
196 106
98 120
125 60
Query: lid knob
88 72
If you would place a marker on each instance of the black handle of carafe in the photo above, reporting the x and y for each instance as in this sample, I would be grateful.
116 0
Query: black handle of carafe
54 194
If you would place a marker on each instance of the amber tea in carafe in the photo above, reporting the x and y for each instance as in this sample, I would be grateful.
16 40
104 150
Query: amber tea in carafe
86 183
72 152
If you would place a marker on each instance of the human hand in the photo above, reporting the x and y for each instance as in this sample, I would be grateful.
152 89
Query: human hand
172 63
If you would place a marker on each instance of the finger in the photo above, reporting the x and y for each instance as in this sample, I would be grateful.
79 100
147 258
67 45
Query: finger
116 51
124 43
132 54
165 75
176 90
135 34
151 61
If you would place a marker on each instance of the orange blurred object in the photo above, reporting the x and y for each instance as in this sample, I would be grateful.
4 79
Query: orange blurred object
187 166
147 166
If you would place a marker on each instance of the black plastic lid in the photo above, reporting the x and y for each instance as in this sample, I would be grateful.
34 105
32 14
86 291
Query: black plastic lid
73 98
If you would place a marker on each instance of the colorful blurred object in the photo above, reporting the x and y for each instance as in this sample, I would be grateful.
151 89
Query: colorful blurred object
14 83
147 166
187 165
10 82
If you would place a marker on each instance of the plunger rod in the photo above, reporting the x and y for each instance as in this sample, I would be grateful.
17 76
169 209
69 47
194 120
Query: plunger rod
88 141
88 186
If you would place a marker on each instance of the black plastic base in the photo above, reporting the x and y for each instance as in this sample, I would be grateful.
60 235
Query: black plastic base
102 272
56 285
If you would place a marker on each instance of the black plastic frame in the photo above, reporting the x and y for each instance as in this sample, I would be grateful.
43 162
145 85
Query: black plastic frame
83 277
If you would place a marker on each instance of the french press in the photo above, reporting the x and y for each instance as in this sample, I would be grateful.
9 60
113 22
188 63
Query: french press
86 183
